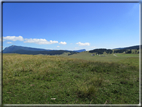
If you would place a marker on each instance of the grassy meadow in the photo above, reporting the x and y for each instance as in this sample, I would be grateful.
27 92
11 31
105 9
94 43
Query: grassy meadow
75 79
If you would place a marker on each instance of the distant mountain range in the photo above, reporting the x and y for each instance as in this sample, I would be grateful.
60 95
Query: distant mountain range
130 47
81 50
34 51
14 48
117 50
30 50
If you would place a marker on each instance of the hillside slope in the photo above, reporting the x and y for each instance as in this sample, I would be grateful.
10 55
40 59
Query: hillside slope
30 50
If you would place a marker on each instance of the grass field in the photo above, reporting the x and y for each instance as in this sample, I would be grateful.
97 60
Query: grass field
75 79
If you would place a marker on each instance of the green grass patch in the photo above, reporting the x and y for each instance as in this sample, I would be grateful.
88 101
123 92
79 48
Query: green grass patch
41 79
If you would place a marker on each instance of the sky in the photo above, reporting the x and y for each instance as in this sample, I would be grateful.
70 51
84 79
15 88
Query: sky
71 26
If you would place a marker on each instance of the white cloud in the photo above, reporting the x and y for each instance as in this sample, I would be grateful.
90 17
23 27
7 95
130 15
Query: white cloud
39 41
58 46
83 44
13 38
63 43
9 42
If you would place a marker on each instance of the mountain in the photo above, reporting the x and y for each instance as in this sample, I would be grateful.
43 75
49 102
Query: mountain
135 49
17 49
14 48
130 47
30 50
34 51
54 52
81 50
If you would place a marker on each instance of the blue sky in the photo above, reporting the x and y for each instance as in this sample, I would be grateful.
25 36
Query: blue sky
71 26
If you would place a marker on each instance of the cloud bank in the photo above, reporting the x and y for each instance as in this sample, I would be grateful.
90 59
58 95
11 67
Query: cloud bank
83 44
31 40
13 38
39 41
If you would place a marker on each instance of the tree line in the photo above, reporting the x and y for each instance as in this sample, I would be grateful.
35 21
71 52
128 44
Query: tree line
109 51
